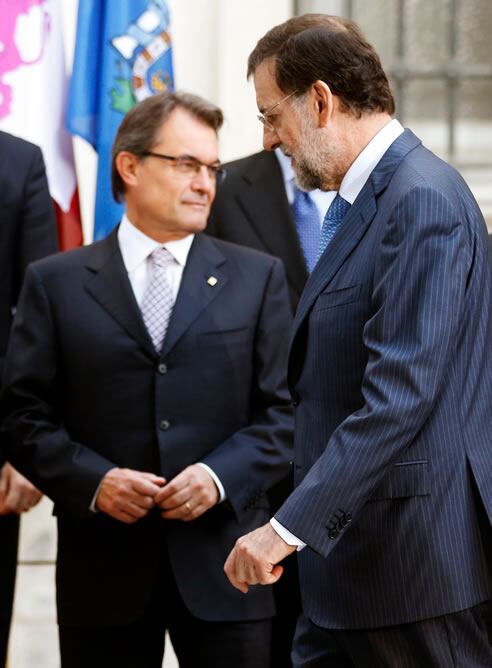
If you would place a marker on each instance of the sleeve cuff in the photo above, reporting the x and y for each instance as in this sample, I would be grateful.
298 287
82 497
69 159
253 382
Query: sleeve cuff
288 537
92 507
215 478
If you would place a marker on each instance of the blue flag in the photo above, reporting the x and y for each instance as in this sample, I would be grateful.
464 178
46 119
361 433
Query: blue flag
122 55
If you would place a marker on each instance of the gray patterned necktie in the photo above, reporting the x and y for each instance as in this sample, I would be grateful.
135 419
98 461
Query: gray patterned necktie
157 303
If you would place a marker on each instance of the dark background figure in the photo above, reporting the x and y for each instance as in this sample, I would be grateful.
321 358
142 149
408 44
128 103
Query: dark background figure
255 207
251 208
145 388
390 372
27 233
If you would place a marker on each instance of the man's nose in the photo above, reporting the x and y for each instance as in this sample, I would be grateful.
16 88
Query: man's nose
271 139
203 180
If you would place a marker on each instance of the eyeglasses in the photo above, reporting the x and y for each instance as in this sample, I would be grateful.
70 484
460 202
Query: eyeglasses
189 166
263 118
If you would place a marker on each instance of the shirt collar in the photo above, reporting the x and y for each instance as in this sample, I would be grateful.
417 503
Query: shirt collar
136 246
360 170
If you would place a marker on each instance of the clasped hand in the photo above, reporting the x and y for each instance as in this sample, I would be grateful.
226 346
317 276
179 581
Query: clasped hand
128 495
17 494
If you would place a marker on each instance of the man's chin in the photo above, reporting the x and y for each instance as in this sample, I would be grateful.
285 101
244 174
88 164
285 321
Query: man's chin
195 220
306 181
196 225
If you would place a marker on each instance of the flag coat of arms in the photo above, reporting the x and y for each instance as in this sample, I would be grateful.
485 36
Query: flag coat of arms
33 86
123 54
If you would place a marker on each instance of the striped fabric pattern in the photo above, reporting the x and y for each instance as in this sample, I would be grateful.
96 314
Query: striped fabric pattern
391 374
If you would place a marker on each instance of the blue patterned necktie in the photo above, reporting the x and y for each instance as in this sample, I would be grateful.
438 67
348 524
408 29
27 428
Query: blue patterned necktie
307 220
334 216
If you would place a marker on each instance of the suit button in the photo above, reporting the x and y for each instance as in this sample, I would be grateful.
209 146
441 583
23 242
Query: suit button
295 399
164 425
348 518
162 368
332 534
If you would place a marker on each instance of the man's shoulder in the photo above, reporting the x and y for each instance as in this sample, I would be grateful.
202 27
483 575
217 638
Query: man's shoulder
12 146
426 188
425 175
421 167
68 261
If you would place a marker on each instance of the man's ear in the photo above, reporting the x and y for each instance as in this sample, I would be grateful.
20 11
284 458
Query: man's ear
127 163
323 102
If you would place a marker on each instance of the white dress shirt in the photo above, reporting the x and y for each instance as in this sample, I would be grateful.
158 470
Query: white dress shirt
136 247
352 183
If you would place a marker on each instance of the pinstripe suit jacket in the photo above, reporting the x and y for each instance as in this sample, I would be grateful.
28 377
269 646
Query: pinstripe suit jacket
391 374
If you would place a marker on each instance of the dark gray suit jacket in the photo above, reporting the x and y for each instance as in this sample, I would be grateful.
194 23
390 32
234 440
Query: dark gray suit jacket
27 222
251 208
27 233
86 391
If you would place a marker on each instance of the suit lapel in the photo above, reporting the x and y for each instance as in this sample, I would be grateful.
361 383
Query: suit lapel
264 202
201 283
347 237
355 223
110 287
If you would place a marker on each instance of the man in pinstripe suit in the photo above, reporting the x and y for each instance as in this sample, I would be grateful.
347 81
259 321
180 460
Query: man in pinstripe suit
390 372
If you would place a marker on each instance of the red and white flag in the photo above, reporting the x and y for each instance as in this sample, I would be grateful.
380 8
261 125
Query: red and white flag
33 87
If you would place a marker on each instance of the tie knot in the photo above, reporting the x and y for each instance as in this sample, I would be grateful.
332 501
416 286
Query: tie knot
300 195
334 216
161 257
337 210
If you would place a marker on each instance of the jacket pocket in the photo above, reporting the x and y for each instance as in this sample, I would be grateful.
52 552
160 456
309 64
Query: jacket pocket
337 297
405 479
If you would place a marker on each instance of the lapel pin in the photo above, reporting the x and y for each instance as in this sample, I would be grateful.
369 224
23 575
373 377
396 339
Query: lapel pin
211 280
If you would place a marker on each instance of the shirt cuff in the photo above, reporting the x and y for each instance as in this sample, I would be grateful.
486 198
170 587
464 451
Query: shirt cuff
215 478
288 537
92 507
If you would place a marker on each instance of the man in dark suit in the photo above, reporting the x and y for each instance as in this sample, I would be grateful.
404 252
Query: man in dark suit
252 209
390 371
27 233
146 394
259 206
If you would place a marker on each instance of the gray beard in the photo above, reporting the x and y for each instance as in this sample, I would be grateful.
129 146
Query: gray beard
310 160
308 177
